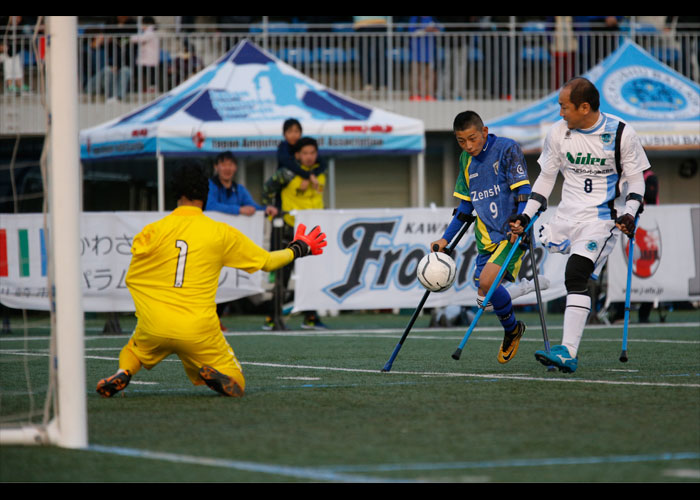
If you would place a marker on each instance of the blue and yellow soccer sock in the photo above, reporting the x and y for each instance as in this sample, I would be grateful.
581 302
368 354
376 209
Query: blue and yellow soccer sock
503 307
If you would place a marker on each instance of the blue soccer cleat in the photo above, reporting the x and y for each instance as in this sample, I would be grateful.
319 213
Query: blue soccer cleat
559 357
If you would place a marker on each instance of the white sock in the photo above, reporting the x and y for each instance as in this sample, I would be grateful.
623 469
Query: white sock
578 307
518 289
524 286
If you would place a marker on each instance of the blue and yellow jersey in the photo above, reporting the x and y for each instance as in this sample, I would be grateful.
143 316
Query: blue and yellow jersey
175 267
489 181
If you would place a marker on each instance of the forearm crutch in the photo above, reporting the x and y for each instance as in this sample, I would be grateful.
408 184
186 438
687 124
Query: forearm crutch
630 265
496 283
469 219
538 293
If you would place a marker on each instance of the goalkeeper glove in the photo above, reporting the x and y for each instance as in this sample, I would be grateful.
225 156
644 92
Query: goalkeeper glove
306 244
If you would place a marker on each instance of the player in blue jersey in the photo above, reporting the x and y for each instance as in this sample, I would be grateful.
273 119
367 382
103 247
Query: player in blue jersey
493 182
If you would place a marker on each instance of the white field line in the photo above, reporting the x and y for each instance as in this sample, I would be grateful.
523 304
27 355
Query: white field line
416 333
491 376
310 473
347 473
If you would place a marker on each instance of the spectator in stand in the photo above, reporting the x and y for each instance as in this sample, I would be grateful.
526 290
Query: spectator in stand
593 46
227 196
228 25
286 158
93 57
298 193
372 49
13 45
114 80
423 53
148 53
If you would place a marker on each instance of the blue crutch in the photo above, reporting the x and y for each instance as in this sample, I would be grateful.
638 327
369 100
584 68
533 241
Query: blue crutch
496 283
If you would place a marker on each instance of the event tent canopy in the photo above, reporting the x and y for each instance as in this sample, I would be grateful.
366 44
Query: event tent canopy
238 104
662 105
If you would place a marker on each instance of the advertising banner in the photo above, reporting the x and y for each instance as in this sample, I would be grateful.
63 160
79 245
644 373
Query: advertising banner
105 249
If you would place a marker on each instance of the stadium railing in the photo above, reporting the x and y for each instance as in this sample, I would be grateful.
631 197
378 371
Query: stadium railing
486 64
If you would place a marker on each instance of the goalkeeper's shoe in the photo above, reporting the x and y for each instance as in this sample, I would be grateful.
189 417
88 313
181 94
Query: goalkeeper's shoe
511 341
559 357
217 381
108 387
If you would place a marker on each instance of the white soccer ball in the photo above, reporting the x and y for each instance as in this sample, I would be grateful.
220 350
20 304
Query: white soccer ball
436 271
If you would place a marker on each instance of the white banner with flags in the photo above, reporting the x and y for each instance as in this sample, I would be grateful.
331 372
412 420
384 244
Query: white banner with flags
666 257
105 247
369 263
372 254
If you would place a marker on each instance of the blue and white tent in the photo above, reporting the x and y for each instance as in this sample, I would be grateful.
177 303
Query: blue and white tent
662 105
239 103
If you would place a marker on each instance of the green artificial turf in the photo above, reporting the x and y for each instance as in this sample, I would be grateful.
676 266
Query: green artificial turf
318 408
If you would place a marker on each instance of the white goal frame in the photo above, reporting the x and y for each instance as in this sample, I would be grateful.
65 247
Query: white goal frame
68 427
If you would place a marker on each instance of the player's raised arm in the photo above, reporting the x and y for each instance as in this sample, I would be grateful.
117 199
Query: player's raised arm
303 245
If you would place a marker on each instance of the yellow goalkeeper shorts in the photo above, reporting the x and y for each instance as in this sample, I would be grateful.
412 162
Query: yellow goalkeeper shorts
210 350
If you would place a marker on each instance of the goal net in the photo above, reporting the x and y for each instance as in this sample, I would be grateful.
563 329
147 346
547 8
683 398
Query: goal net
42 364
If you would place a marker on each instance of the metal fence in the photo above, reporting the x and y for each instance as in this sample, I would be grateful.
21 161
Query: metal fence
515 62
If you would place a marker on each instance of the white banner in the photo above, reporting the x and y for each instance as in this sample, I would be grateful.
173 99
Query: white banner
105 245
666 257
371 258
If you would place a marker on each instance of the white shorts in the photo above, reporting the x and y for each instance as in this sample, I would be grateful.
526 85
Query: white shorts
593 240
12 67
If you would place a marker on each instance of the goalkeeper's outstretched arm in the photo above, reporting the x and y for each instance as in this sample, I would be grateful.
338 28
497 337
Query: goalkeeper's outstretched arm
302 245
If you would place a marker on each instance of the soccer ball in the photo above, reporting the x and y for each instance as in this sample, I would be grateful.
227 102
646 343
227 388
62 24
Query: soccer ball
436 271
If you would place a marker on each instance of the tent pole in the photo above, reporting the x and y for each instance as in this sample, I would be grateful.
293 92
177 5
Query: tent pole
331 183
161 183
421 179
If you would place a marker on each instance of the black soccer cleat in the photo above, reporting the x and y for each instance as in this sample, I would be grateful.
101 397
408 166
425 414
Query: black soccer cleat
217 381
511 341
108 387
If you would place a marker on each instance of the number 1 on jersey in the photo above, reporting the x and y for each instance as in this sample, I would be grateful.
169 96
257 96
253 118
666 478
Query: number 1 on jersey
181 261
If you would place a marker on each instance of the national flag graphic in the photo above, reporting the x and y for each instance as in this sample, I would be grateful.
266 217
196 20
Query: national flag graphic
3 254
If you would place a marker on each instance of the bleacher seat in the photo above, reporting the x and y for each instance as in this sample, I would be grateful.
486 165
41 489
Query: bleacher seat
295 55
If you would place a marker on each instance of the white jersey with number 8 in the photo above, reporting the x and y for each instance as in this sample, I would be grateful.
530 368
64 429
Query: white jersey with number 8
586 158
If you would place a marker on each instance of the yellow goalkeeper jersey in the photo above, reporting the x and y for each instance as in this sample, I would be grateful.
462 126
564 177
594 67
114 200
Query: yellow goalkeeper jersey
175 267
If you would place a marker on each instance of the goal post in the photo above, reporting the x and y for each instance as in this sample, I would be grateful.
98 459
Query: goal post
68 426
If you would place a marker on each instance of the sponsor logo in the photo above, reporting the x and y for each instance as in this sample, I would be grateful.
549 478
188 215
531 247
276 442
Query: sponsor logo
486 193
375 129
650 93
579 159
198 139
647 252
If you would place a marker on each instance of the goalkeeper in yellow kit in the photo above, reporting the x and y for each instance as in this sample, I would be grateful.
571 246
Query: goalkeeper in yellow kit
173 278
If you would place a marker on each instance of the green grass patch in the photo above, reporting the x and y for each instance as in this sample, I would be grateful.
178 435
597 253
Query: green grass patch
318 408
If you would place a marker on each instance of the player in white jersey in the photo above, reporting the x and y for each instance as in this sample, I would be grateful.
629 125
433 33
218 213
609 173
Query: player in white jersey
596 153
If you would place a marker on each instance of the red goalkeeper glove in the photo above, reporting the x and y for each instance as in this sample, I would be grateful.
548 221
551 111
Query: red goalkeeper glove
308 244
